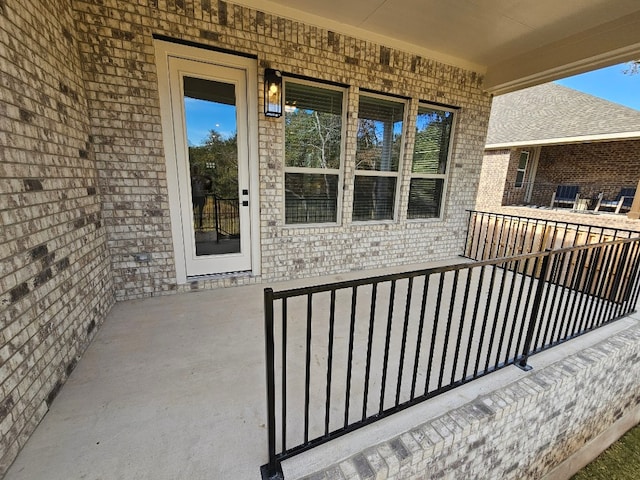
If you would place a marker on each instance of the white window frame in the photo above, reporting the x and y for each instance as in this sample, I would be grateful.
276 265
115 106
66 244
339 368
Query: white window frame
444 176
377 173
316 171
522 170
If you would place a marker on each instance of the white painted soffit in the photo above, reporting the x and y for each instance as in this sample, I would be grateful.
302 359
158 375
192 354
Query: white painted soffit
361 33
609 137
608 44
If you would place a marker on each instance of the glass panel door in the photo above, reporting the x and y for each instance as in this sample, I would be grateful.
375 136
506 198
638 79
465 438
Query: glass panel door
212 138
210 125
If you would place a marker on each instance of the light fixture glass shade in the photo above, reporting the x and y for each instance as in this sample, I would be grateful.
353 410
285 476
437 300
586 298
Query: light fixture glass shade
272 93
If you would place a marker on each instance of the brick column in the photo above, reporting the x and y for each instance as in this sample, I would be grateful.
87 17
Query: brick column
634 213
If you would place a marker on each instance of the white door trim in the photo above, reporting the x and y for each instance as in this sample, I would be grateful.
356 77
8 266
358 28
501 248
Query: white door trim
533 170
164 51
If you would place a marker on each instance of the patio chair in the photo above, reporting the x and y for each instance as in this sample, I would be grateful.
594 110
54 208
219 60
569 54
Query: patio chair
565 195
624 200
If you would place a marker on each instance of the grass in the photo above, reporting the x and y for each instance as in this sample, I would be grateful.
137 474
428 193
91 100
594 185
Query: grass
621 461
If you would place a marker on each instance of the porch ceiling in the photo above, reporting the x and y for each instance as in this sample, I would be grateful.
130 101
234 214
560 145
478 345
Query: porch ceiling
515 43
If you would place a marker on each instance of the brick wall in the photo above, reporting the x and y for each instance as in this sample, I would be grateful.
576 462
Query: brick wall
515 195
493 178
596 167
55 282
84 178
117 50
520 431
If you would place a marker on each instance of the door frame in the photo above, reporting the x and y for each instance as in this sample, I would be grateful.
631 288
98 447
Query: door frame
164 51
534 158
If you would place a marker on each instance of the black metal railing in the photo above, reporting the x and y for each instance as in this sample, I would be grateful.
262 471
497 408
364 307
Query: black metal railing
495 235
345 354
310 209
218 214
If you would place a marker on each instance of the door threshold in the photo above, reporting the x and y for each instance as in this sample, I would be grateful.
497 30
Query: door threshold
219 276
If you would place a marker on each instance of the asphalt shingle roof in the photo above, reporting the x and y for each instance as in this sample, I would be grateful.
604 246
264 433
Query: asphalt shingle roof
539 114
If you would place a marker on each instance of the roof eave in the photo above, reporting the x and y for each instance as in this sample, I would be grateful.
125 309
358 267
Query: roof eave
609 137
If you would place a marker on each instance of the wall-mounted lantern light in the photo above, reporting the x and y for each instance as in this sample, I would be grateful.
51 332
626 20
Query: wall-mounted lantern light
272 93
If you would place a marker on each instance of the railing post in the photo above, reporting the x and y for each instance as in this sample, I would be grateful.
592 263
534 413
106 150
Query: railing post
535 309
272 470
216 214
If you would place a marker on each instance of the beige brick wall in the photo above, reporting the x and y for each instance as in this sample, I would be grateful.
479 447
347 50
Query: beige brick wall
597 167
520 431
84 179
493 177
55 282
117 50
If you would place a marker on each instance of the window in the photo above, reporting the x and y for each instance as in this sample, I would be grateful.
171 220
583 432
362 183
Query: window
522 168
313 150
430 162
379 146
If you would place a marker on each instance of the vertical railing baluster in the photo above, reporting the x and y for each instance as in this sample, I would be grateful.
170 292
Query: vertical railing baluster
606 283
352 329
486 238
469 240
578 285
525 232
521 333
485 319
596 304
507 242
635 293
407 309
564 263
594 255
546 306
567 288
284 374
474 237
307 369
564 235
372 315
474 317
434 332
618 279
506 271
583 288
272 465
463 314
499 242
496 316
629 273
532 248
622 287
387 343
526 348
423 307
445 346
332 321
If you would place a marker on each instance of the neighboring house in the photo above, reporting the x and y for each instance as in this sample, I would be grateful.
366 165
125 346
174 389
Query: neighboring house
109 182
549 135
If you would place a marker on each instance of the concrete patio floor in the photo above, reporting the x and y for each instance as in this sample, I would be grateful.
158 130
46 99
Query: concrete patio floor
172 387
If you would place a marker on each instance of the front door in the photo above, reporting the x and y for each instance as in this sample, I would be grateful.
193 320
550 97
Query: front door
211 152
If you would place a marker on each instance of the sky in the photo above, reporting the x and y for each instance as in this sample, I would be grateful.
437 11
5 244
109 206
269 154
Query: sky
202 116
610 83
